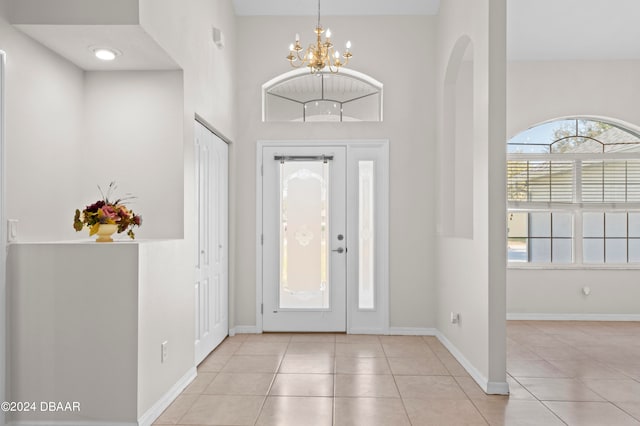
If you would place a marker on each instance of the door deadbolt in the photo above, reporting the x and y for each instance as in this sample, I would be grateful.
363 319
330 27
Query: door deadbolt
340 237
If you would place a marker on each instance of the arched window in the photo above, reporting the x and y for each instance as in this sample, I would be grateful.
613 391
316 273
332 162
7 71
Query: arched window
299 96
573 190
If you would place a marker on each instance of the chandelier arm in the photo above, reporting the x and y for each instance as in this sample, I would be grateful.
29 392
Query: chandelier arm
318 55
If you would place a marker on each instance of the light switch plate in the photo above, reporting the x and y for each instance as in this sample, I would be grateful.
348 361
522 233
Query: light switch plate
12 230
164 351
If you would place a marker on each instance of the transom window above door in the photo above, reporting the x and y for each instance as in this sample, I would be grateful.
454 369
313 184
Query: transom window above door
299 96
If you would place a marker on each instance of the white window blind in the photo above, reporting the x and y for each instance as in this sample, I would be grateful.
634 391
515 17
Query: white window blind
610 181
542 181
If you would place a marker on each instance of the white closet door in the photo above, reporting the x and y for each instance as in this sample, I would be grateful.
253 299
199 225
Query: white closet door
211 286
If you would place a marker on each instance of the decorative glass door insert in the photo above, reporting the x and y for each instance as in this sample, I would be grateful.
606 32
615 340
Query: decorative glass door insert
304 231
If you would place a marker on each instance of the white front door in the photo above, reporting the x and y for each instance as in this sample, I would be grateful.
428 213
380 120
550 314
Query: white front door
304 238
211 286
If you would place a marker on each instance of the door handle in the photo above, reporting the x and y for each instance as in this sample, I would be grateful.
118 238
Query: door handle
339 250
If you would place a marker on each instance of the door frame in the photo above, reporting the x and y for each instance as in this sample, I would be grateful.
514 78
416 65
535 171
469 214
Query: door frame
358 321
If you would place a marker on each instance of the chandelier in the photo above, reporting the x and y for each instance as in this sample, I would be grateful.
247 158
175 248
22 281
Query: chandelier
320 55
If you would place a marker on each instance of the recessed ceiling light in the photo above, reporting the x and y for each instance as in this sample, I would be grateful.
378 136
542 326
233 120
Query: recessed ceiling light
105 54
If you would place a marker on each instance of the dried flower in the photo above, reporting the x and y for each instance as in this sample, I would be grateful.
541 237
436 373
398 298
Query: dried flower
107 212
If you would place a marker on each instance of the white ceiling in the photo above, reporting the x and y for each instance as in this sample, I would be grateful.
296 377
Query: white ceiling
536 29
573 29
336 7
76 43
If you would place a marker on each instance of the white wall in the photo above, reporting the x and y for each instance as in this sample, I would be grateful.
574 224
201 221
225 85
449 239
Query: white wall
82 12
72 338
133 135
87 322
183 29
397 51
463 147
56 135
542 91
471 271
44 113
3 287
552 293
69 130
165 314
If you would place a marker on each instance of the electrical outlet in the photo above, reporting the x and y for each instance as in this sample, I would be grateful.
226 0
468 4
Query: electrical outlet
165 351
455 318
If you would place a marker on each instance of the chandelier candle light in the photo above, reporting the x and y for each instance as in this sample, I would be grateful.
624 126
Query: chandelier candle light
318 55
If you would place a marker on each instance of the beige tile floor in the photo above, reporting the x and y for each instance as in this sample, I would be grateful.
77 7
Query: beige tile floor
560 373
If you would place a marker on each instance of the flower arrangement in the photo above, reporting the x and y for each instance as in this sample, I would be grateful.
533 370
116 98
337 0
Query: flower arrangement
105 211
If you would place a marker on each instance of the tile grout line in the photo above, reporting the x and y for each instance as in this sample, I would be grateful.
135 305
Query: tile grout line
217 372
576 378
333 399
597 361
273 379
539 400
404 406
473 403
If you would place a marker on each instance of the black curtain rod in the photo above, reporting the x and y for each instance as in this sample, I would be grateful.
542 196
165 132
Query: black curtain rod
283 158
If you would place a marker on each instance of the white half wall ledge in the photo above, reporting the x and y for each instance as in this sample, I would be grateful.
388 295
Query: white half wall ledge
571 317
490 388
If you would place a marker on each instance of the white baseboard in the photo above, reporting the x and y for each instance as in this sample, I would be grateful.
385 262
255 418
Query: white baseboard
492 388
398 331
572 317
365 330
412 331
244 329
497 388
157 409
